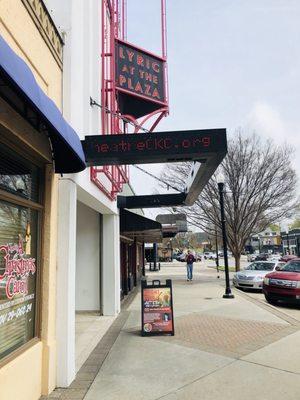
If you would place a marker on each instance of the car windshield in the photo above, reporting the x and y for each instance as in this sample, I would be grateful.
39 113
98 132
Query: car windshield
292 266
260 266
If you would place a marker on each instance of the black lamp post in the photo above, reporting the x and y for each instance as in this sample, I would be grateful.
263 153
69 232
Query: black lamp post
288 239
227 294
217 251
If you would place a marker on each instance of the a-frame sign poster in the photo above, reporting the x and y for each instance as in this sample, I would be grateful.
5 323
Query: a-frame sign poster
157 308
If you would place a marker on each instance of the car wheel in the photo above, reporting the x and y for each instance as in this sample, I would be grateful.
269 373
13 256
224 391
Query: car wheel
270 300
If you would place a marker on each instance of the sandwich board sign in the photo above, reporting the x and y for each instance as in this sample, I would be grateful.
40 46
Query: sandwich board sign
157 308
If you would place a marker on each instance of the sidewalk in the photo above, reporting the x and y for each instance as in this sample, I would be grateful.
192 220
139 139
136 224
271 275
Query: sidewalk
238 347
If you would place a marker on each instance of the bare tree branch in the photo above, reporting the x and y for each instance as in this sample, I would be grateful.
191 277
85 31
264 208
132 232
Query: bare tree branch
260 189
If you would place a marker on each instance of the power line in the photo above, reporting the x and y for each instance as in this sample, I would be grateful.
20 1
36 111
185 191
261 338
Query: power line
158 179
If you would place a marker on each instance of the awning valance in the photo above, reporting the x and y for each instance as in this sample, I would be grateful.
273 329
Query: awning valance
20 90
139 227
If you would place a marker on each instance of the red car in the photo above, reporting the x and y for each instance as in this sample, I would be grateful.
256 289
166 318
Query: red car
288 257
283 285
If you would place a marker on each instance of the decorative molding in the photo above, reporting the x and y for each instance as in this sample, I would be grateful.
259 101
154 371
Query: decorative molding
43 21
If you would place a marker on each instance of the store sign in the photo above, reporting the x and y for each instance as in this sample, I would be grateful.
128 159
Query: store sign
157 147
17 268
139 72
157 308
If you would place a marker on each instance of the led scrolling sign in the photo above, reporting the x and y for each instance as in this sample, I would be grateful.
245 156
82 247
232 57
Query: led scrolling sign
144 148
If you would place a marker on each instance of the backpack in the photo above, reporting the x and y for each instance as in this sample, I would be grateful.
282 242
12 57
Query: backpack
190 259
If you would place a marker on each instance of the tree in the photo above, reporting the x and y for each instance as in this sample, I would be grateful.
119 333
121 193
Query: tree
260 189
295 224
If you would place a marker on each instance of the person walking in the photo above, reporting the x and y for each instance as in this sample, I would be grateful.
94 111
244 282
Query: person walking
190 259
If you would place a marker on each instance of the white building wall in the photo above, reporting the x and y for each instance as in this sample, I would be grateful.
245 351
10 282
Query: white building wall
87 259
65 297
79 21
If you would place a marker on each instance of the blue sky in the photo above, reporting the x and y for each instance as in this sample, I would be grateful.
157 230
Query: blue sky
231 64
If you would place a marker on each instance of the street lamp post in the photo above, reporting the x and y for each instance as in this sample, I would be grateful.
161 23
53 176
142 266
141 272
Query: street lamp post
217 252
287 239
227 294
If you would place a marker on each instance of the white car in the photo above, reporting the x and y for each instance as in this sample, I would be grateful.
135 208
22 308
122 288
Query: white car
208 255
252 276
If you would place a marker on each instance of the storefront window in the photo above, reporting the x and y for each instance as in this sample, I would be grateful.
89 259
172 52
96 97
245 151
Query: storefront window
19 252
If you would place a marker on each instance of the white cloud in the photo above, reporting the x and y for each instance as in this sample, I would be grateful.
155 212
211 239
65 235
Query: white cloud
266 121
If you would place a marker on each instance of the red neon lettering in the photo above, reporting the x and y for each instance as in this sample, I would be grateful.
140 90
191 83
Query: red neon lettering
130 84
148 76
147 89
159 144
130 55
168 143
125 68
122 80
148 144
186 143
138 87
155 79
155 67
155 93
121 52
140 60
206 141
132 70
140 146
123 145
104 148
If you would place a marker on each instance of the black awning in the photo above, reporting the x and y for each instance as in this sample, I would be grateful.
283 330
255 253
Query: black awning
137 226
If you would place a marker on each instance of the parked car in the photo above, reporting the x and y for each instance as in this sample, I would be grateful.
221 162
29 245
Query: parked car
252 276
198 257
181 257
287 258
283 285
262 257
208 255
275 257
251 257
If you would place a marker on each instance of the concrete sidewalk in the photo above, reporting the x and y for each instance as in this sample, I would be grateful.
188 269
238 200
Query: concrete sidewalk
240 348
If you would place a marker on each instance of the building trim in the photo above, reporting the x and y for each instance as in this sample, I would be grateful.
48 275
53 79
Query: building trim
45 24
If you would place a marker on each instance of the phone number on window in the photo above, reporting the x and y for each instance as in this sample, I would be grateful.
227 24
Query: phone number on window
14 314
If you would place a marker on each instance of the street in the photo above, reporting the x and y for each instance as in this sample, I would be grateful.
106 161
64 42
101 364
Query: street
221 348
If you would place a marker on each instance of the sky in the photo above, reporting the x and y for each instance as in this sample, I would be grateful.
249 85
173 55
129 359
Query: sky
231 64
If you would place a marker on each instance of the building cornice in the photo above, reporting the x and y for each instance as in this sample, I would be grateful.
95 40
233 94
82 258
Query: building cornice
43 21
